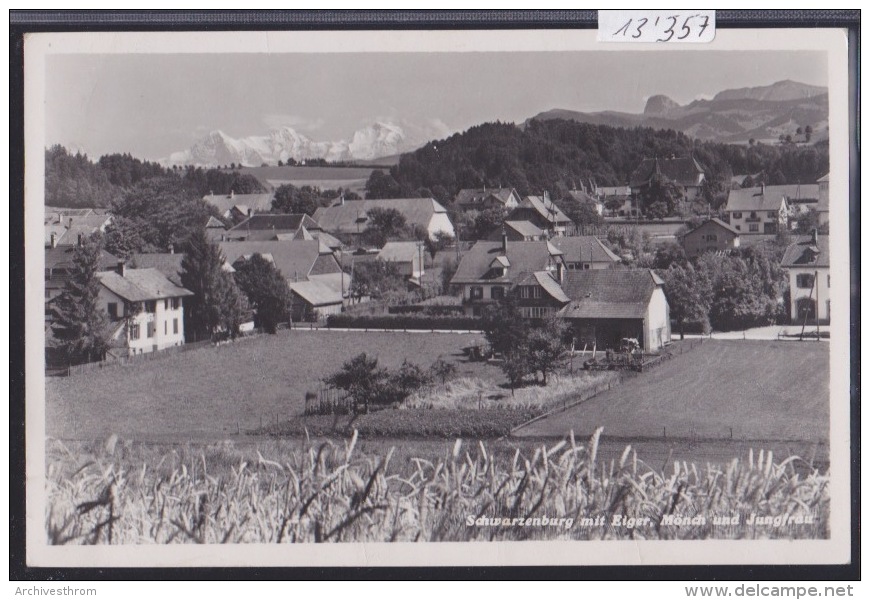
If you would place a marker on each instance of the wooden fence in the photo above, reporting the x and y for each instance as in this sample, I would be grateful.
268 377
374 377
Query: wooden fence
329 401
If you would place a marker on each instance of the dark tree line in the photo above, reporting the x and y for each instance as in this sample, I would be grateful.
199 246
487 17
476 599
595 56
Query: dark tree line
558 155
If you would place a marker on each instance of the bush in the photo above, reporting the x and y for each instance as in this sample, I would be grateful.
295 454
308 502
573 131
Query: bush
402 322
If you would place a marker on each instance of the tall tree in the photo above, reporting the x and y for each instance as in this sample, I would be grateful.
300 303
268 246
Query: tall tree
361 378
266 289
216 305
385 224
546 346
688 294
291 199
504 326
80 324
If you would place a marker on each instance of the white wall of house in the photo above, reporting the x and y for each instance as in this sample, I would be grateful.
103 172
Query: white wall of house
753 222
822 292
657 322
162 328
440 222
585 266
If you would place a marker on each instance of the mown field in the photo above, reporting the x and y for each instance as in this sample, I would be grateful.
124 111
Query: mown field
208 393
755 390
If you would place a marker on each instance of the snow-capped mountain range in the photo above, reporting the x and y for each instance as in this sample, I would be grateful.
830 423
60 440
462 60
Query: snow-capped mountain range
370 142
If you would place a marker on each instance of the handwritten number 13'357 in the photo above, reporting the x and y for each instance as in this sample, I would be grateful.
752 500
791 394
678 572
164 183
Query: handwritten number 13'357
671 33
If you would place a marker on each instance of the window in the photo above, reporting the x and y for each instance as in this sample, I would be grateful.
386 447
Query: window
712 237
587 266
112 309
176 303
151 306
771 214
175 326
535 312
497 293
753 227
805 280
165 327
737 227
829 281
134 331
149 329
753 215
476 292
166 304
737 215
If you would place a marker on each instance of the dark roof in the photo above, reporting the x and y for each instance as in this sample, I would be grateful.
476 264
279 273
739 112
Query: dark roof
138 285
545 207
582 197
524 228
400 252
166 263
62 258
803 253
479 195
547 282
714 221
584 248
795 191
682 171
524 258
350 217
272 222
316 292
609 293
256 202
749 199
295 259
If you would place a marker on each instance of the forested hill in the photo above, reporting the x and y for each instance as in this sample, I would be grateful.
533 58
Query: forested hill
74 181
556 155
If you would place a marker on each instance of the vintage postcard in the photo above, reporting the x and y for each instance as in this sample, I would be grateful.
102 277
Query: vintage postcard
435 298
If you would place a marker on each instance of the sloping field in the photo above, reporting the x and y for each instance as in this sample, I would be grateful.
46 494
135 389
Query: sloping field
754 390
210 392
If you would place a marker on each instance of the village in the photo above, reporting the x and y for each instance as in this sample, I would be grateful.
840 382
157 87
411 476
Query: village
524 288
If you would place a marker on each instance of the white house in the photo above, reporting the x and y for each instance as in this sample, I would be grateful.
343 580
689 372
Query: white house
808 265
350 217
145 308
757 210
408 256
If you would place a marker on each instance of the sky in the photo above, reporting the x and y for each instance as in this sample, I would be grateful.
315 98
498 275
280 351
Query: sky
151 105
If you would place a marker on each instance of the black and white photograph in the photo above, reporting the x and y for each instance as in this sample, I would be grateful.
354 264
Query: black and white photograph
403 298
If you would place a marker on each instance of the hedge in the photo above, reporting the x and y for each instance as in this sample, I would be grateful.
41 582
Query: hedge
403 322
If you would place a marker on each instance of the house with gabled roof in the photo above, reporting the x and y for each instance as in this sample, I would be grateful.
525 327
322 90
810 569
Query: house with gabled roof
490 270
299 261
350 217
713 235
686 172
543 213
582 198
59 266
582 252
808 264
145 308
245 204
757 210
480 199
70 229
607 306
408 256
215 229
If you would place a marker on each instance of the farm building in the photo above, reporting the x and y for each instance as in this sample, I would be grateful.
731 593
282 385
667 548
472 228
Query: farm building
714 235
267 227
214 229
480 199
409 256
63 229
144 307
606 306
808 264
518 231
757 210
316 298
543 213
582 198
350 218
584 252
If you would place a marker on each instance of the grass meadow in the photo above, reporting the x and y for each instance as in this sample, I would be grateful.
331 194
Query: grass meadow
209 393
755 390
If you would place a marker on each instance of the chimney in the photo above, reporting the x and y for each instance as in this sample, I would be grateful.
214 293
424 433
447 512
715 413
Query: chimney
341 199
121 268
250 213
80 240
560 272
232 193
171 249
70 223
503 240
762 188
815 237
54 240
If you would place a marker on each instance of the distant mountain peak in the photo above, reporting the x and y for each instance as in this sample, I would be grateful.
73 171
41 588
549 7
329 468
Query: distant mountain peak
659 104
